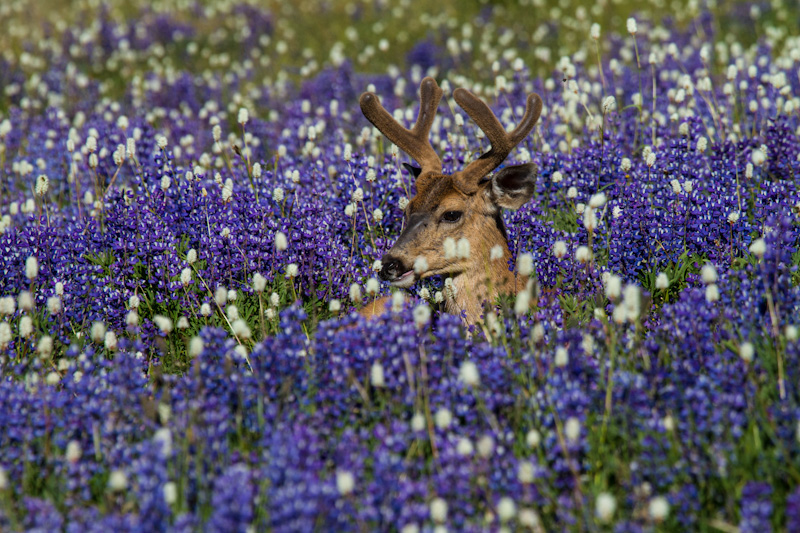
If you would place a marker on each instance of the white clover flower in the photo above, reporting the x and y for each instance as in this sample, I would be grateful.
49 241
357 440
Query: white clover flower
631 299
438 297
613 287
98 332
438 509
709 274
522 303
525 264
650 160
161 141
526 473
572 193
216 132
372 287
420 265
7 305
278 194
42 184
73 452
349 210
221 295
486 446
449 248
583 254
117 481
402 203
196 346
443 418
580 207
556 177
598 200
31 267
506 509
609 104
662 281
468 374
292 270
377 265
163 323
589 219
259 282
398 299
281 242
377 215
604 507
712 293
422 314
758 157
132 318
533 438
702 144
562 357
658 508
5 334
560 249
462 248
417 422
170 492
358 195
616 212
295 176
496 252
529 519
376 375
205 309
733 217
355 292
25 327
464 447
758 248
791 333
244 116
256 170
746 351
572 429
191 256
241 329
110 341
186 276
631 25
345 482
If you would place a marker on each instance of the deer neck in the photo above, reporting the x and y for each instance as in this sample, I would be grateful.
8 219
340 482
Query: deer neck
484 280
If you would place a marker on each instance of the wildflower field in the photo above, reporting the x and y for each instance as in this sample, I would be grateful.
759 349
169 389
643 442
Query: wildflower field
192 207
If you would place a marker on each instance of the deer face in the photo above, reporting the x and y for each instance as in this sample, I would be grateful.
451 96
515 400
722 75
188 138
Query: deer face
464 205
442 212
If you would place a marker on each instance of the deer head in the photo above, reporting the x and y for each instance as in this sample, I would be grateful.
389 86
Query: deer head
464 205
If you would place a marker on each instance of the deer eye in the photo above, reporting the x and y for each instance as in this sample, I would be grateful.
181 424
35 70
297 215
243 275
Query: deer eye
452 216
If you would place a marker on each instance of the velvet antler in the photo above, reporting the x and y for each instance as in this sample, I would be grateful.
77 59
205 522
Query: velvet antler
414 142
502 141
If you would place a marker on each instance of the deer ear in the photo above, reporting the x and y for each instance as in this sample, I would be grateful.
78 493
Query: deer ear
513 186
415 171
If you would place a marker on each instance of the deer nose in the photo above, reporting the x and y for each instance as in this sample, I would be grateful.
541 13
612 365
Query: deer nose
391 269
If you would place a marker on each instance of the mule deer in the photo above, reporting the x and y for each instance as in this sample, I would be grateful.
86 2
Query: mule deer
464 205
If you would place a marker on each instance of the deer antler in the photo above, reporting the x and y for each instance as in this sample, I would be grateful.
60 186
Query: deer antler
502 142
414 142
